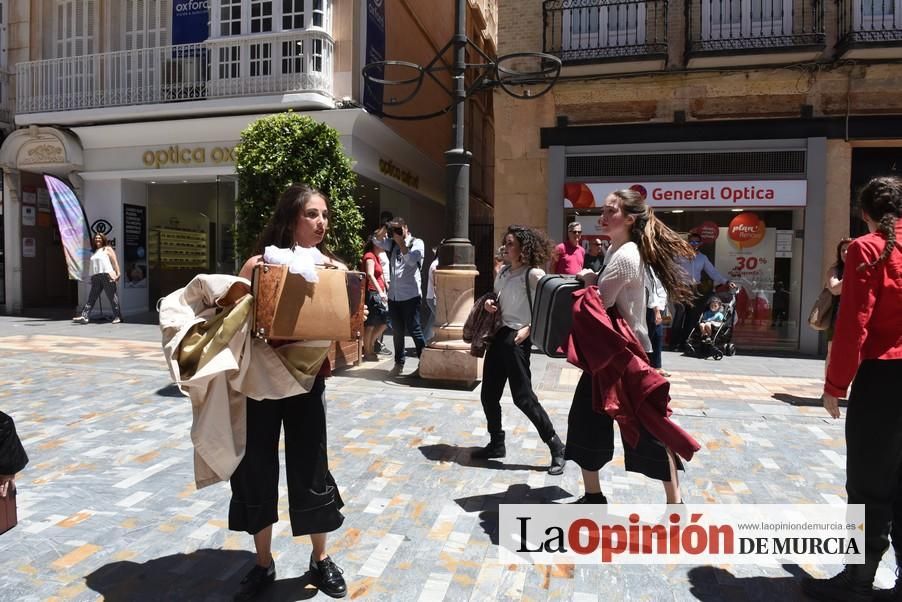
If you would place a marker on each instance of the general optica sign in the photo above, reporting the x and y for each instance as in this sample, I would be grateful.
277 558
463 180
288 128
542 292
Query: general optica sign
726 194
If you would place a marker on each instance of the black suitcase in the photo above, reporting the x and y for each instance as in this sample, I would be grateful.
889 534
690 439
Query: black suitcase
552 313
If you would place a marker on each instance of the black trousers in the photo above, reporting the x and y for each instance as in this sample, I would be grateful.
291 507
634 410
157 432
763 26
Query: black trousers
314 503
102 283
507 361
590 440
656 336
874 453
405 317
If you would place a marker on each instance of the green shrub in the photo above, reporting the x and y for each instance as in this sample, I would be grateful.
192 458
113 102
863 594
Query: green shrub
281 149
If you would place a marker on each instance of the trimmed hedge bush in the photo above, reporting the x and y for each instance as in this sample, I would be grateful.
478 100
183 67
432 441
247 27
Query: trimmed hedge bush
281 149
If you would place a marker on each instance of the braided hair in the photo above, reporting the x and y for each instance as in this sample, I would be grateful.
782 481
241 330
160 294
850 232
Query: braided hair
659 246
881 200
534 246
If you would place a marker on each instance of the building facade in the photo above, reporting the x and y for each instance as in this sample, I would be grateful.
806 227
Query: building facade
751 123
139 104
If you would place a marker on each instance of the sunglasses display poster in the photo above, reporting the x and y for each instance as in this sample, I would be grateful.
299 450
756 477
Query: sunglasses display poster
744 252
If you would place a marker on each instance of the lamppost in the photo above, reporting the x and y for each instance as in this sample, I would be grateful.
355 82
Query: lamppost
524 75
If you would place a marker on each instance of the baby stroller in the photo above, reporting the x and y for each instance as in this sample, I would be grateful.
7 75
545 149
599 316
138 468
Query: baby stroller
721 342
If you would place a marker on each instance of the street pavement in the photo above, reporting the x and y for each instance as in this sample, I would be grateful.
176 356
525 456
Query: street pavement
108 508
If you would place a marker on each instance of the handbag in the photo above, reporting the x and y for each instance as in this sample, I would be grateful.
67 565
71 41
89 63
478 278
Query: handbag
822 312
8 517
289 308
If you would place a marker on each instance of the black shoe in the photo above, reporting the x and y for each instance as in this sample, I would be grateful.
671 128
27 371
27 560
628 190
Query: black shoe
591 498
327 578
851 585
557 456
256 581
495 448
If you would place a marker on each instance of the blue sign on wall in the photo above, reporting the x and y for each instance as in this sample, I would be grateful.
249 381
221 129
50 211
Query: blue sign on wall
190 21
375 51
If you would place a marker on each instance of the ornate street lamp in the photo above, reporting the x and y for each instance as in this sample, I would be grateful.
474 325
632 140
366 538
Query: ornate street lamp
523 75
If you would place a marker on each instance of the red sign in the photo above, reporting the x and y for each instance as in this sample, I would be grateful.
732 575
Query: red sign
747 230
709 231
579 195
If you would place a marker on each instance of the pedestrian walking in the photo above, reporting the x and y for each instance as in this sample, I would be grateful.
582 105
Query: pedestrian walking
429 326
507 357
376 298
868 349
686 314
12 460
104 274
834 285
301 218
381 235
405 260
594 259
638 239
656 304
569 255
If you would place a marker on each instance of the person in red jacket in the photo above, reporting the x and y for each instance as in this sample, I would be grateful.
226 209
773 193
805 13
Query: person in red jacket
867 346
638 239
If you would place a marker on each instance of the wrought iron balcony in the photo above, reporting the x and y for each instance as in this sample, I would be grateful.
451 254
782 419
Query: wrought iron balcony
582 31
262 65
877 22
757 25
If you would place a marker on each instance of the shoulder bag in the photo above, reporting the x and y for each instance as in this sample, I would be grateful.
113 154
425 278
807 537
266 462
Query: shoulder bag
822 312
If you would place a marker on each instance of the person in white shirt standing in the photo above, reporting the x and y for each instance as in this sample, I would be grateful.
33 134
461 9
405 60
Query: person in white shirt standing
429 326
687 315
507 357
405 260
656 304
104 274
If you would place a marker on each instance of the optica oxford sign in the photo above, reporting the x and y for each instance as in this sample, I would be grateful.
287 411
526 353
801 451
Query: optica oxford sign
738 194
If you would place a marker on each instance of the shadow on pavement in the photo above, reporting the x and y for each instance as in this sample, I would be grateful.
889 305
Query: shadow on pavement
488 505
714 584
795 400
442 452
206 574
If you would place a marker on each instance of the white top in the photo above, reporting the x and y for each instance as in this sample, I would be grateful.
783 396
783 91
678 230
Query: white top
430 279
100 262
622 283
700 264
655 295
510 286
383 260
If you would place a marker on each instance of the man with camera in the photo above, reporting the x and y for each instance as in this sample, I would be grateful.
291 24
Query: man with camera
405 259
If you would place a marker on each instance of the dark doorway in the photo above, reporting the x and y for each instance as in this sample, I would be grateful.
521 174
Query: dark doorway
869 163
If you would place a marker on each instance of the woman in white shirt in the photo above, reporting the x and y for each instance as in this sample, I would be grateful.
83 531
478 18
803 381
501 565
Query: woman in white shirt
104 274
507 357
638 239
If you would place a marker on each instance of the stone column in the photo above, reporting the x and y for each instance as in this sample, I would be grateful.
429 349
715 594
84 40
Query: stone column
13 235
448 358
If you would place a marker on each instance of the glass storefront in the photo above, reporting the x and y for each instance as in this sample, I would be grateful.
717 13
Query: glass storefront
760 250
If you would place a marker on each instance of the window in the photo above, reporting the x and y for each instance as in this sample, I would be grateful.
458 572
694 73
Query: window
318 18
230 17
877 15
261 59
293 57
146 24
733 19
230 62
74 25
292 14
316 55
604 26
261 16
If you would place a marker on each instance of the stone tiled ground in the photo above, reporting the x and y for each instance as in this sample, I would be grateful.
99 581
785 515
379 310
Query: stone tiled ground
108 508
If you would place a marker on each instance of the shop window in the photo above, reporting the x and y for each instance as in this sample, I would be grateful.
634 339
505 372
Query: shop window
293 57
261 55
261 16
230 17
292 14
230 62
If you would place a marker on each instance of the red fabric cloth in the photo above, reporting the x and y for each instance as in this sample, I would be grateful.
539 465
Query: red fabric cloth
623 384
869 324
570 258
377 271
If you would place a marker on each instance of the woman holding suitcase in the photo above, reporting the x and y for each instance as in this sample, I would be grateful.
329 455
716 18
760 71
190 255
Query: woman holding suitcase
507 358
638 239
301 218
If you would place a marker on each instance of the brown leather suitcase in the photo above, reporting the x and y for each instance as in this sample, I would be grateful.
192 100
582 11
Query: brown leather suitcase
8 511
288 308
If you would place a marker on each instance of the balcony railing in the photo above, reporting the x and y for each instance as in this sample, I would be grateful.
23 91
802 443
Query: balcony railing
728 25
870 21
262 65
580 31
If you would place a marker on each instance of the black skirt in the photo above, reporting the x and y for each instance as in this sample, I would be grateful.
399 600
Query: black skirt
590 440
313 499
